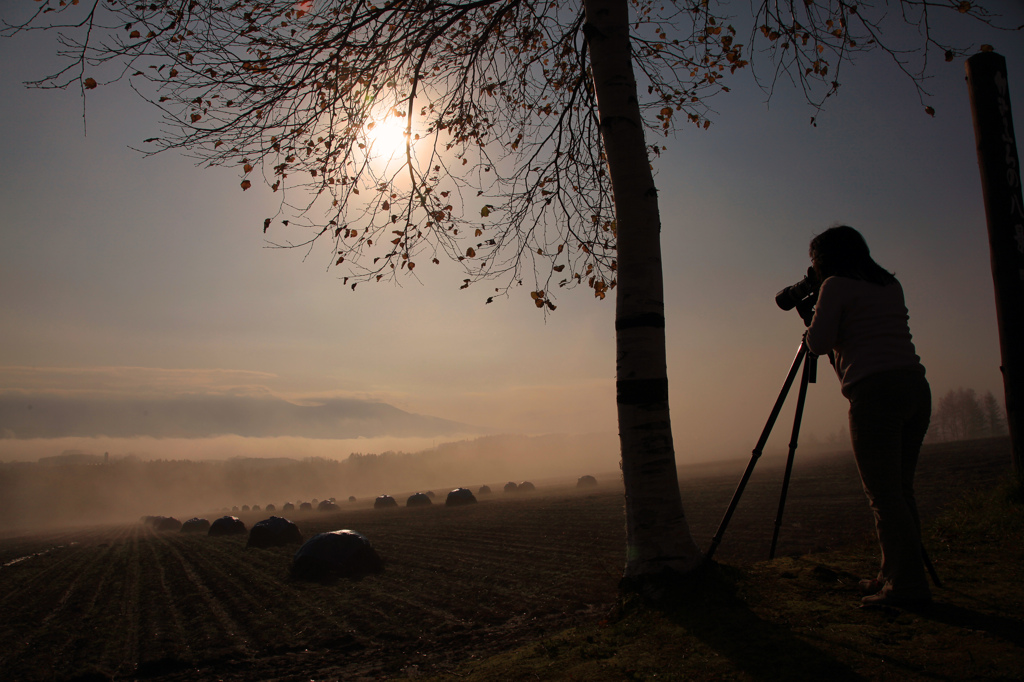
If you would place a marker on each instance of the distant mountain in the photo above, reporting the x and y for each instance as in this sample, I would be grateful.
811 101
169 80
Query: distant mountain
72 457
200 416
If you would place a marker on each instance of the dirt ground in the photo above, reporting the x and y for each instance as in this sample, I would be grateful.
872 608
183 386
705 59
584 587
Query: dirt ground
460 583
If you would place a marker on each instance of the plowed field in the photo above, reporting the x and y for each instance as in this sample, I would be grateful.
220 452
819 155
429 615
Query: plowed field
131 603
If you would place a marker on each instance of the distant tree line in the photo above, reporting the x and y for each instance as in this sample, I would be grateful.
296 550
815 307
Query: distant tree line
962 415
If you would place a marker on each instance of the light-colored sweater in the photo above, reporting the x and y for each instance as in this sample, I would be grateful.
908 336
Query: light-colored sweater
866 325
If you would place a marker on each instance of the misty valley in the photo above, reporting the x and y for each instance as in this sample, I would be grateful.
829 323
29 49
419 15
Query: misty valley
79 488
125 599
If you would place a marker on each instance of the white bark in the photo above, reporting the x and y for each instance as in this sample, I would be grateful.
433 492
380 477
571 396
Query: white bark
657 534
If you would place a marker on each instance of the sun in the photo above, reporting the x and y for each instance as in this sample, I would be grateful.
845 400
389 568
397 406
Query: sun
386 137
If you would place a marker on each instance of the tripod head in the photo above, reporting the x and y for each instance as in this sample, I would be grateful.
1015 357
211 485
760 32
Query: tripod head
806 307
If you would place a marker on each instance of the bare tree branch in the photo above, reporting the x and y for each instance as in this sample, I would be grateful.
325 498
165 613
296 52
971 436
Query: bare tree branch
503 166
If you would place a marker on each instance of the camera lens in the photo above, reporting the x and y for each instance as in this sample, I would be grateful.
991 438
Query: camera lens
788 298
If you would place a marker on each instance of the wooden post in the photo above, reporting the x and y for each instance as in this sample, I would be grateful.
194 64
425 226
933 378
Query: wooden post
1004 209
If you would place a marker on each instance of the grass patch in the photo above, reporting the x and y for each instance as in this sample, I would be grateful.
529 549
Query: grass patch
799 618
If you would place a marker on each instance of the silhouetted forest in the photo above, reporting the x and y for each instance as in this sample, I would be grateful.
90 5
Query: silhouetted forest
961 414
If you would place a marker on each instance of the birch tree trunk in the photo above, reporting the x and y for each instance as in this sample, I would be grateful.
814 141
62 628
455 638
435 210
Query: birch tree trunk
657 535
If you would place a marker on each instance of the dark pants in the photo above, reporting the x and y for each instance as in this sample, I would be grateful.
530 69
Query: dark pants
889 415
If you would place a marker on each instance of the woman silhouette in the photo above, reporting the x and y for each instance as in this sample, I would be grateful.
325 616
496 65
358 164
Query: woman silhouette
861 317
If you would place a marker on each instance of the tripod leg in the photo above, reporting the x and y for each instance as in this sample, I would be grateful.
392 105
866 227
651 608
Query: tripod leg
758 449
797 418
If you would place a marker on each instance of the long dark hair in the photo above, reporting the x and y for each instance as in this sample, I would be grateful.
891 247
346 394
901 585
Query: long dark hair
842 251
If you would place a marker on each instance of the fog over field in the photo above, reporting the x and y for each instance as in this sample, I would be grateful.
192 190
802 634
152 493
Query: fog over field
82 488
113 444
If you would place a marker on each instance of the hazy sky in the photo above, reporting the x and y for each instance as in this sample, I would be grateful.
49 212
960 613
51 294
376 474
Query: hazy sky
126 275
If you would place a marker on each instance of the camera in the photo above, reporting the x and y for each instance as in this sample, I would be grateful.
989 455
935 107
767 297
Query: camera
793 295
802 296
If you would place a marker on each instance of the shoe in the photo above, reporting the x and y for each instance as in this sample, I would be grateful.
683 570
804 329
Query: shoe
893 599
870 586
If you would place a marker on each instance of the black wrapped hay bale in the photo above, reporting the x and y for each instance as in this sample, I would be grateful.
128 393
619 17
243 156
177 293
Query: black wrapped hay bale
167 523
484 490
587 481
227 525
195 525
306 506
351 498
274 532
418 500
460 496
526 487
288 506
270 507
328 506
511 487
385 501
337 554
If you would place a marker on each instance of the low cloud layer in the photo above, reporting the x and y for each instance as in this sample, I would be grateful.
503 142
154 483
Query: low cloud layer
27 415
136 381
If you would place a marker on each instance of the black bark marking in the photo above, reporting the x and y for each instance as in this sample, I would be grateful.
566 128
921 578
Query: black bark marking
641 391
651 320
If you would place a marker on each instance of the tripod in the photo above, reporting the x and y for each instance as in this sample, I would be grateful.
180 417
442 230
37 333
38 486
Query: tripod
809 361
809 375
